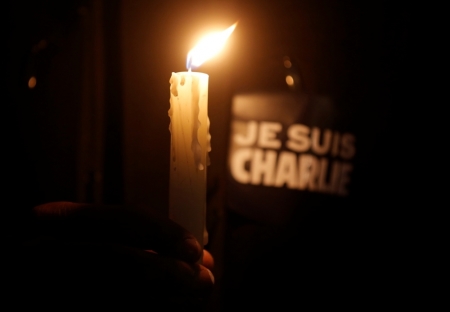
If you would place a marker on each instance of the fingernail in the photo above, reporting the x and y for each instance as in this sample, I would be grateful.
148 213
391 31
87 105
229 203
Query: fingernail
206 276
206 279
203 281
211 276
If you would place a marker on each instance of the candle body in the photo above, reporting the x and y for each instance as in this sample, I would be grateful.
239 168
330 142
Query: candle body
190 144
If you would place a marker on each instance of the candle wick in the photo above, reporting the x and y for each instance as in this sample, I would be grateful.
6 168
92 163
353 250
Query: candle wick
189 70
189 61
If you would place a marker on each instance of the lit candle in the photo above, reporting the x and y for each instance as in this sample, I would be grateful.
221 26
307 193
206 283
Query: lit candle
190 138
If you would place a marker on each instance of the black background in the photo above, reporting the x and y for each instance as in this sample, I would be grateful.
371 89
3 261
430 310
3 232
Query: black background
102 93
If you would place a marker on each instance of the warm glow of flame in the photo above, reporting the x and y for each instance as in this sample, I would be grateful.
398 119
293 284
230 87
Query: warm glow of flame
287 63
208 47
290 80
32 82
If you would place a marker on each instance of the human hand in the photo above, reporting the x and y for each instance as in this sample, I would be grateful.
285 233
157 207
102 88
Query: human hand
115 253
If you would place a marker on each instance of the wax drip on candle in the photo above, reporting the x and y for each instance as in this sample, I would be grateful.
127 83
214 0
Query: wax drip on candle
195 144
195 108
208 141
174 90
174 83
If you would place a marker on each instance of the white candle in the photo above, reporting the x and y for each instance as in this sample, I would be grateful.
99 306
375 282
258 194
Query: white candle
189 150
190 138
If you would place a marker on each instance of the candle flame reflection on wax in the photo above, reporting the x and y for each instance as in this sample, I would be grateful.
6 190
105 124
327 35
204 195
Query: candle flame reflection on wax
208 47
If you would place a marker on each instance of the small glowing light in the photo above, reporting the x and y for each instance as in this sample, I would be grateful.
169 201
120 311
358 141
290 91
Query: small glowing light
290 80
32 82
208 47
287 62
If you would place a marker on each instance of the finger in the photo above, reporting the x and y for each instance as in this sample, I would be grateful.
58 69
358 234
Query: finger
116 224
208 260
114 268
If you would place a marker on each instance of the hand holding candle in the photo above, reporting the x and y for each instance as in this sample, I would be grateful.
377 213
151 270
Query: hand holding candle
190 138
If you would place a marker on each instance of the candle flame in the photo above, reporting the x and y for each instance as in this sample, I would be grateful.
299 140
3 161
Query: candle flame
208 47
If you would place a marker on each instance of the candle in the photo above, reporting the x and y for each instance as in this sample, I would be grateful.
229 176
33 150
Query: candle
190 138
188 154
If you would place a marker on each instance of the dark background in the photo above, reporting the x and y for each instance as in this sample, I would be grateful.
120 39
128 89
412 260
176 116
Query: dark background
95 126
